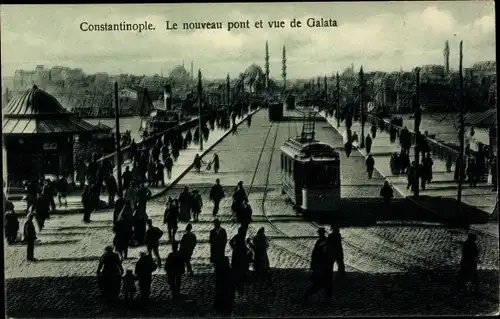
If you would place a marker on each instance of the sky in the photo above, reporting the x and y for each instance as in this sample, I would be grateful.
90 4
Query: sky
381 36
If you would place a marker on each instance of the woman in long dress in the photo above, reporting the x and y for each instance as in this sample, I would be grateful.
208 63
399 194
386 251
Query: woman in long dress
260 244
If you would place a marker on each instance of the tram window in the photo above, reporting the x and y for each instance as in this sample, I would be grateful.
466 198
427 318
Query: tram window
321 175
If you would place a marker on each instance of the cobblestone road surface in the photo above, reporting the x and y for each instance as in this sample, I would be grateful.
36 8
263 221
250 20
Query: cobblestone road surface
396 267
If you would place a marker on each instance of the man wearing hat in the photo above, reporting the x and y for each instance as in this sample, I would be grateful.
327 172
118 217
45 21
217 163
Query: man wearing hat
153 235
322 271
30 237
335 250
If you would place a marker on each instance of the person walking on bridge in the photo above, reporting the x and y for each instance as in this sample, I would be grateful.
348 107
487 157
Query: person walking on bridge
216 195
169 164
218 241
322 269
30 238
188 243
368 144
370 165
185 201
216 163
386 192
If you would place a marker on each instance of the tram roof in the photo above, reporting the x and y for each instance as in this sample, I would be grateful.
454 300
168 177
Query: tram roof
311 149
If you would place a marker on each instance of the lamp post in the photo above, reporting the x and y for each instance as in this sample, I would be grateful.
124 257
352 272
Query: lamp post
338 100
200 90
461 159
418 118
118 143
362 106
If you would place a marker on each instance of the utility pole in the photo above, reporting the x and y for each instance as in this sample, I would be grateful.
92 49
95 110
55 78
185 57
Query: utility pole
200 90
461 161
418 118
228 90
283 68
362 102
118 143
338 100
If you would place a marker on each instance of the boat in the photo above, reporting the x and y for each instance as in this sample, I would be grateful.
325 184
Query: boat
161 120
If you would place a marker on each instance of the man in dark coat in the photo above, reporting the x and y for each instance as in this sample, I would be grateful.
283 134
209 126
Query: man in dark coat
216 195
30 237
368 144
335 250
196 204
169 164
127 178
11 226
386 192
153 235
41 210
172 219
370 165
174 267
468 264
112 188
48 191
185 205
322 270
62 190
218 241
224 288
144 269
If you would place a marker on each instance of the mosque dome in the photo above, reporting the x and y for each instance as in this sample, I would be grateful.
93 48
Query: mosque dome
179 73
253 72
33 102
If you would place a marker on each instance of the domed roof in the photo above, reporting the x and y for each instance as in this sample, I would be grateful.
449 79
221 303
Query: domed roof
34 102
253 71
179 72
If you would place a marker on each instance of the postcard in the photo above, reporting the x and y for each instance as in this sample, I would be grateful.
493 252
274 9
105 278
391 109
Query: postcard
250 159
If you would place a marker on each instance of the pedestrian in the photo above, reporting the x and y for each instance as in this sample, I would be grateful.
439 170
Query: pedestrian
41 206
109 274
188 243
412 171
245 215
140 216
112 188
123 229
239 259
153 236
171 217
335 250
144 269
218 241
88 204
151 172
428 163
160 174
374 130
322 270
185 200
11 226
128 285
468 263
370 165
449 163
224 288
216 163
472 173
386 192
198 162
127 178
368 144
239 197
260 244
174 267
30 238
169 164
49 192
62 190
196 205
216 195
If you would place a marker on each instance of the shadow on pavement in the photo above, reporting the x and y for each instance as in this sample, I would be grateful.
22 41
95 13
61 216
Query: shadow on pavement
369 211
69 259
394 294
58 242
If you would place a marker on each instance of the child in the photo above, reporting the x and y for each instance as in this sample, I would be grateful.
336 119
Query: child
129 285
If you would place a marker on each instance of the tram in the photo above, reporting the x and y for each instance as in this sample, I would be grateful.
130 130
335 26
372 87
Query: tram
275 111
310 172
290 102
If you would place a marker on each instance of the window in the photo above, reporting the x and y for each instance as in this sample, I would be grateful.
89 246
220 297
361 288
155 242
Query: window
321 174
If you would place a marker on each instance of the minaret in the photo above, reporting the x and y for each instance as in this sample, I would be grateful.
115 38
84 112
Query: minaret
446 53
283 69
267 65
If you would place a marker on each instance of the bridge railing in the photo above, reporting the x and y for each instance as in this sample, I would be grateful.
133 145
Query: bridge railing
437 149
125 151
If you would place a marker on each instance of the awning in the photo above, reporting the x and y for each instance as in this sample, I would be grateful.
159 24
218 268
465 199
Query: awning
68 124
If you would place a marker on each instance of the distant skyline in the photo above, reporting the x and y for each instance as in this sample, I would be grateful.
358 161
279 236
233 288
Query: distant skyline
381 36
